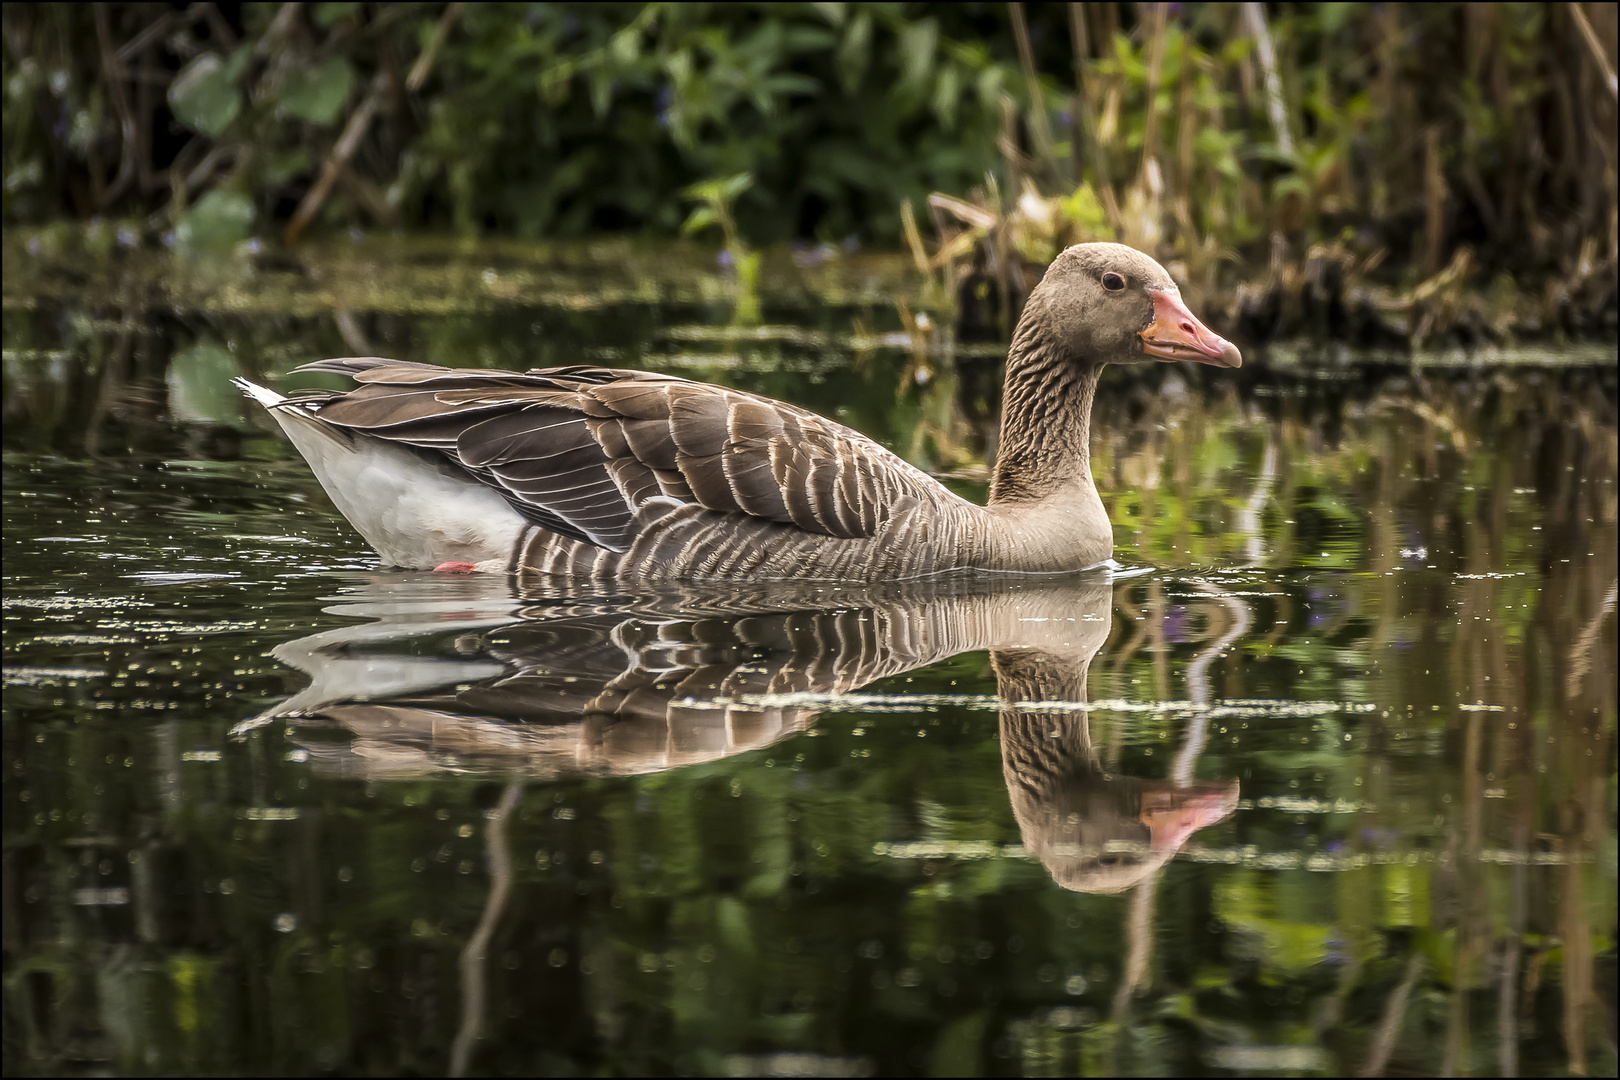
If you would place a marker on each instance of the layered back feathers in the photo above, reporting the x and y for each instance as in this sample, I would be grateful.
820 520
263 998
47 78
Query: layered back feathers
641 467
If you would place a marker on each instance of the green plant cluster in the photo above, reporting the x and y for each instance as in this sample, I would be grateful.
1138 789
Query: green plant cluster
1208 133
528 120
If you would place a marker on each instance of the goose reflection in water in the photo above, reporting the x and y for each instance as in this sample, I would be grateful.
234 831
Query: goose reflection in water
457 677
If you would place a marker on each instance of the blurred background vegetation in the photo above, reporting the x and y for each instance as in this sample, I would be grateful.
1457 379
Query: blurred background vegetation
1432 150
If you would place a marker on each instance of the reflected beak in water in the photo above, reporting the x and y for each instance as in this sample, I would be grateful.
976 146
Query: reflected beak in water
1176 334
1173 816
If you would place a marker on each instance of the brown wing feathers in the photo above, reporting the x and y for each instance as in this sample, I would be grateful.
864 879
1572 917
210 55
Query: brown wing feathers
580 450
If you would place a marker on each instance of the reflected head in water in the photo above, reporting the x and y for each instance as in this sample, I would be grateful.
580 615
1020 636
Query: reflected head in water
1094 830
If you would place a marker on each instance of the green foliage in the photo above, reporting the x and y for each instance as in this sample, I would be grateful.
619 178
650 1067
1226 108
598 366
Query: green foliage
632 110
200 389
548 120
715 201
204 96
220 219
318 93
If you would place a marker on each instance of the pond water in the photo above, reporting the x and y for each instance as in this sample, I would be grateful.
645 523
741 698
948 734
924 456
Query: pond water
1320 781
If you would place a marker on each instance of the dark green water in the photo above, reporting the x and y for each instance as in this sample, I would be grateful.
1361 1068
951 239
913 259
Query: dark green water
1323 784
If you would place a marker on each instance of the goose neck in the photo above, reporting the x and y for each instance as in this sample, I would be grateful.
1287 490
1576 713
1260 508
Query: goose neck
1045 449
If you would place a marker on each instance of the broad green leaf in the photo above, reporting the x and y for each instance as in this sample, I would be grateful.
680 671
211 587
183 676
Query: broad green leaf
327 14
1331 17
790 83
855 51
1086 213
679 66
625 46
988 86
1291 184
601 90
833 13
733 186
219 219
317 94
282 167
803 39
947 94
203 97
699 219
554 82
200 390
917 43
238 62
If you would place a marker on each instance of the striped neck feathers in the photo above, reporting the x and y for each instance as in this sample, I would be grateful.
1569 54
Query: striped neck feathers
1046 402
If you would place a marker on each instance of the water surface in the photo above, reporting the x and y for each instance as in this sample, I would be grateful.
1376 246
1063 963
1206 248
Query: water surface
1324 782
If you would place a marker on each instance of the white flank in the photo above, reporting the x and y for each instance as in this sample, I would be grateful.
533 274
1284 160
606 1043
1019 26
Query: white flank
414 514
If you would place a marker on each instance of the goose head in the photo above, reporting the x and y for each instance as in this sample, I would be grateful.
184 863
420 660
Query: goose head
1111 304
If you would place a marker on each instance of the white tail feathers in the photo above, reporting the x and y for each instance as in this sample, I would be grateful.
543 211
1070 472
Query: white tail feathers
263 396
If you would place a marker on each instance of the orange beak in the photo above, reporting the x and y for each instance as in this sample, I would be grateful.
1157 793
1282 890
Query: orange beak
1175 334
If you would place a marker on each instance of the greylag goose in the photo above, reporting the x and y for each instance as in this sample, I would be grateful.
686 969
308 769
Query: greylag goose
629 474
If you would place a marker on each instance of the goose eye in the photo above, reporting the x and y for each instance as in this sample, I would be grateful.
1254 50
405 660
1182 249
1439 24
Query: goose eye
1112 282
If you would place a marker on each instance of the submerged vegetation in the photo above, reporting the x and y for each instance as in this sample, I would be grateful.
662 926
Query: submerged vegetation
1454 165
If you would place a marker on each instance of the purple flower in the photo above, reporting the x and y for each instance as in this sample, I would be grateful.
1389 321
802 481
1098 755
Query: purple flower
128 238
724 259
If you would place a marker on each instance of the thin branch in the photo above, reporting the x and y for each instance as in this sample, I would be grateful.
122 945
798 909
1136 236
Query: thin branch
279 27
1155 64
1389 1025
198 176
337 160
360 122
1040 125
1181 772
424 63
1596 48
113 71
137 44
1255 15
476 951
218 28
1082 113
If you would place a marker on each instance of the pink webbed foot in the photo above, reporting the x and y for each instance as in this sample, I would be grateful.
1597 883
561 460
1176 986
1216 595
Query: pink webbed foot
454 568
